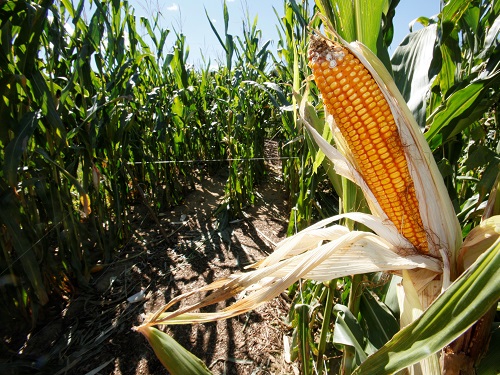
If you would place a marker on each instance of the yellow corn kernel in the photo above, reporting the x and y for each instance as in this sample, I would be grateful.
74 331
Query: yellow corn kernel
363 116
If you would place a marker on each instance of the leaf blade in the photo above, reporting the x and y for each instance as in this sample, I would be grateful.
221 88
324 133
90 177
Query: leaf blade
453 312
176 359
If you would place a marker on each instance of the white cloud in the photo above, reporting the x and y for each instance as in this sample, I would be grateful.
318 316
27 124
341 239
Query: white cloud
173 8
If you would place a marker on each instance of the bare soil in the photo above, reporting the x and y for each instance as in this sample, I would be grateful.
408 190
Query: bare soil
168 255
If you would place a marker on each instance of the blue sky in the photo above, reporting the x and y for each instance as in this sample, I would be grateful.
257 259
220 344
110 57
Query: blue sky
188 17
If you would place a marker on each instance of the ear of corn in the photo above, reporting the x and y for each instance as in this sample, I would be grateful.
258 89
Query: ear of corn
325 253
438 215
363 116
385 147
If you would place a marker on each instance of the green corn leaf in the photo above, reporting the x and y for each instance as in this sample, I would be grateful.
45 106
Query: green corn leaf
348 332
355 19
272 98
75 13
368 22
451 314
25 252
411 62
460 108
380 322
16 147
176 359
212 26
346 22
163 38
47 104
226 17
450 55
298 13
319 157
230 50
35 25
302 313
66 174
490 365
491 37
451 14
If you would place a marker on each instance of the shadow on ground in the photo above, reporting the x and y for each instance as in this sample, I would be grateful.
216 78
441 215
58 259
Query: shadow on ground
91 333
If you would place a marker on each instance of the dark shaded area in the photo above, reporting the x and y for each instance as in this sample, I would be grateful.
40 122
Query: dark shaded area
92 331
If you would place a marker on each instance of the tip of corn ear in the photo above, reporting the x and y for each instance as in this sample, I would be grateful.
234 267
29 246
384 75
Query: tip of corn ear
322 50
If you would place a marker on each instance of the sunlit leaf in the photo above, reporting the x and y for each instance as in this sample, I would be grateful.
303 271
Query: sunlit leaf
461 105
411 63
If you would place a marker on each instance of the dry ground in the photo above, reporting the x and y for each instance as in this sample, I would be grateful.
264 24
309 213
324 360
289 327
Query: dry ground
93 334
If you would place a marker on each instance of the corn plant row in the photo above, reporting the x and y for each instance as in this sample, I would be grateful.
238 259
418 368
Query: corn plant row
97 118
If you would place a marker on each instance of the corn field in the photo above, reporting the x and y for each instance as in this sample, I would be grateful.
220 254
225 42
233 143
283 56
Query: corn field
104 114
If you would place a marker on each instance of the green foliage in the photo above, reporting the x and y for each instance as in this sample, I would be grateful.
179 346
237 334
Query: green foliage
451 86
245 118
301 174
94 126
